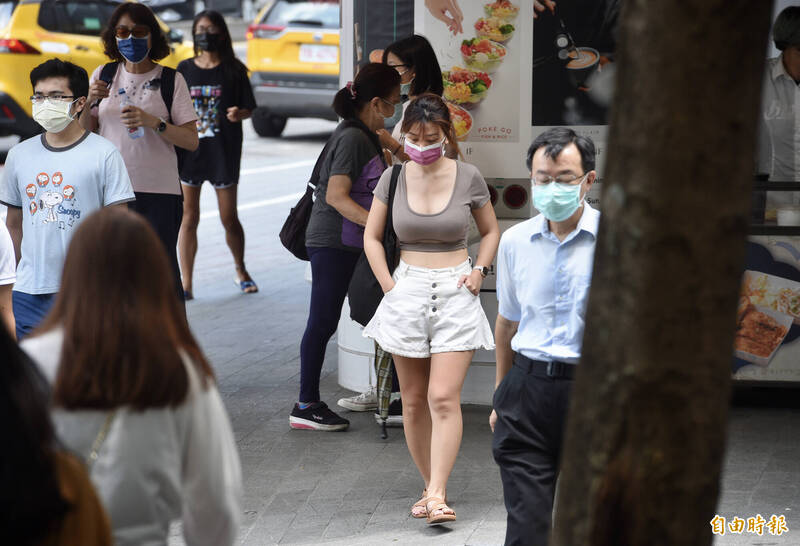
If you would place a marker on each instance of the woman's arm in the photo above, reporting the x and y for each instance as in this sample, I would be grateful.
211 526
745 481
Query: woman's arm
236 114
388 142
97 91
490 238
338 196
490 234
373 244
183 136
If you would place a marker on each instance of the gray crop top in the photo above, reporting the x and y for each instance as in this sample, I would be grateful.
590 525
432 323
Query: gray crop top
441 232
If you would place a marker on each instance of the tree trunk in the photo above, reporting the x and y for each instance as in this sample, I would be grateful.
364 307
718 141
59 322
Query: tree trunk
646 435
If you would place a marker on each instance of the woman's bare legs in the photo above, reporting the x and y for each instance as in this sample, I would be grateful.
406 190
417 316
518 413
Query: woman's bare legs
234 233
447 373
187 237
414 375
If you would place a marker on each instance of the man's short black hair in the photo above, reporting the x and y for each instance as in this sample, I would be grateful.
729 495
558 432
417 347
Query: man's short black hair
786 30
556 139
56 68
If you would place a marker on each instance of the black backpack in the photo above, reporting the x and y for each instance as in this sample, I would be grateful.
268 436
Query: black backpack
166 83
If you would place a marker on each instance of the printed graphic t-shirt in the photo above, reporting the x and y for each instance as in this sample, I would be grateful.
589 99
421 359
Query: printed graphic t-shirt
151 161
57 188
352 153
213 91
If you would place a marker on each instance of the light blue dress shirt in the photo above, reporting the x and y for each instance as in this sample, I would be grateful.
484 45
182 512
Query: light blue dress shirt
543 284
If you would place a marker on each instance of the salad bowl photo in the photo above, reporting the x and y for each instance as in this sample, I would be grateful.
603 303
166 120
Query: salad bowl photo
503 9
494 28
483 54
461 119
465 87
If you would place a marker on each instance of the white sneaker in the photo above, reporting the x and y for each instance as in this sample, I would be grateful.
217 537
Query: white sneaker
366 401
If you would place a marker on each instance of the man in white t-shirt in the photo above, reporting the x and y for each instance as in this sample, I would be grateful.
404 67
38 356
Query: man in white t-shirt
8 275
52 181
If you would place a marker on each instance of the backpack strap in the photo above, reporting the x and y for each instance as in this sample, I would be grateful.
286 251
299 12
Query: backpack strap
168 88
107 74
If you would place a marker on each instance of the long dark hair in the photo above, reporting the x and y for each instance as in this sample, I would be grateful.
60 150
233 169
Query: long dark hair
141 15
123 327
430 108
31 505
417 53
230 64
373 80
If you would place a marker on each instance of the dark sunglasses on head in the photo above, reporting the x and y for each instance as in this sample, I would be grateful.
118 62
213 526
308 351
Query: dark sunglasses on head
138 31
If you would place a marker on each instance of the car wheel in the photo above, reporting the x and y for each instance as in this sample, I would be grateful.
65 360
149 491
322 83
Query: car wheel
266 124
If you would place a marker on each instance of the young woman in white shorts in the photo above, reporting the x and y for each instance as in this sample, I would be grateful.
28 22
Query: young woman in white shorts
430 318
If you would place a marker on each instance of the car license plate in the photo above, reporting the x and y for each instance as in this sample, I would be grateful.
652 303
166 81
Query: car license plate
310 53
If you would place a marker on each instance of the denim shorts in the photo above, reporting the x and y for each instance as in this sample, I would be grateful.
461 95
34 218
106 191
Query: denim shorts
426 313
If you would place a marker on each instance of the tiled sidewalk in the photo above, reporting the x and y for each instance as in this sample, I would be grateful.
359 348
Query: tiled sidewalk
354 488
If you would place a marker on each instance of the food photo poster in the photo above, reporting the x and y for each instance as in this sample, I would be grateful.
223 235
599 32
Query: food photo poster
767 342
487 77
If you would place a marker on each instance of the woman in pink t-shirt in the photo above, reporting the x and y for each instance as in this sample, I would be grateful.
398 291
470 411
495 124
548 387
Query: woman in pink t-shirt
129 110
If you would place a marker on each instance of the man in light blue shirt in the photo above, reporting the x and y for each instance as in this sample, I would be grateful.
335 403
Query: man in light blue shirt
544 269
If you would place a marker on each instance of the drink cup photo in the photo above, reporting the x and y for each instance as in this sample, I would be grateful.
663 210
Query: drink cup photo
581 66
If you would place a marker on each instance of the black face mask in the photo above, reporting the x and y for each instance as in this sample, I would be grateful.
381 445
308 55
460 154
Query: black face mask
206 41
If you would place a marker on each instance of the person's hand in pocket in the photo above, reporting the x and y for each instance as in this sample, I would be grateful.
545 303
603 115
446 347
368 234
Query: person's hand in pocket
473 281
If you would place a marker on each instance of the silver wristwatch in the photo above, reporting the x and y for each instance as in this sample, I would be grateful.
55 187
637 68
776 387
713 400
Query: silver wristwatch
484 270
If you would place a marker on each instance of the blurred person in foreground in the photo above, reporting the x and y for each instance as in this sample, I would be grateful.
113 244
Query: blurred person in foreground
133 392
47 498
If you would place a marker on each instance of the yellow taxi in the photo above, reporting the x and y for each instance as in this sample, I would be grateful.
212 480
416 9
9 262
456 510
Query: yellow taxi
32 31
293 57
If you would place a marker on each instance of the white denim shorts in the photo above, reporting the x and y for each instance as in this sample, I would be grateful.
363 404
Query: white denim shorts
425 313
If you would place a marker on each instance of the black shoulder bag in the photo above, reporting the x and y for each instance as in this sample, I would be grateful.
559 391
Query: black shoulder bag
364 292
293 232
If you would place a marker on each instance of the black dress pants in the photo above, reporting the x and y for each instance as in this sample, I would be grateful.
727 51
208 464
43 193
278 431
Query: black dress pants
531 414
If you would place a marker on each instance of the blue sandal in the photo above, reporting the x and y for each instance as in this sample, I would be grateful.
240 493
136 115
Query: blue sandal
246 286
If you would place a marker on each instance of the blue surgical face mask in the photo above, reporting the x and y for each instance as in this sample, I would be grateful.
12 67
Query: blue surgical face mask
134 50
388 123
555 201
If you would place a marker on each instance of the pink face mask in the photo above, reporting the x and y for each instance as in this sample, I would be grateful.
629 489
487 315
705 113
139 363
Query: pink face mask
424 155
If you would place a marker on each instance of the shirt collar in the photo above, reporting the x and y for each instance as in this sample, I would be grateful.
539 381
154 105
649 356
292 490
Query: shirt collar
778 69
589 222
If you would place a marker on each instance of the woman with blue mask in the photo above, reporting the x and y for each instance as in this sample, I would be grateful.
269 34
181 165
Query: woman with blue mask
415 61
127 105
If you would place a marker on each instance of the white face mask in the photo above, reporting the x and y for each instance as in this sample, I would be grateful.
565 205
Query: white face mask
53 116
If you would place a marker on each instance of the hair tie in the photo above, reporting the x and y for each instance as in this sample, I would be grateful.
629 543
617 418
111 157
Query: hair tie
352 90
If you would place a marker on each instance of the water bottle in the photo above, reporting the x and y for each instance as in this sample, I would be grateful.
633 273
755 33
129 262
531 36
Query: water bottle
125 101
